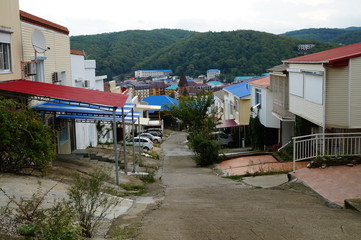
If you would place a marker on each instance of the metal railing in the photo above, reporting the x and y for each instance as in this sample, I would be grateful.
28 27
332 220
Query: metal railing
330 144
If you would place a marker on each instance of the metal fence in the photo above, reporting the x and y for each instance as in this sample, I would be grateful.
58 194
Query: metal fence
331 144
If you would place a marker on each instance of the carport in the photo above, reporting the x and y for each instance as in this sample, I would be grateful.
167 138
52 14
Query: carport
75 102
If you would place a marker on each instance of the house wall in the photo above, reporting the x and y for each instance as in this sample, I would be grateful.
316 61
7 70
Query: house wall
244 110
265 112
10 22
77 70
355 93
337 97
307 109
57 57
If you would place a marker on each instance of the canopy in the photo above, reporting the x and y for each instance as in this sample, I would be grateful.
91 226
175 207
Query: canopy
227 124
73 95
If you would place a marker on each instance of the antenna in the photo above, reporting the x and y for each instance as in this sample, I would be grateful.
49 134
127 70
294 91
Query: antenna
38 41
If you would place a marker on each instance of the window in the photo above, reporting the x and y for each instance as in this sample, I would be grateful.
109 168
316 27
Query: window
5 59
258 99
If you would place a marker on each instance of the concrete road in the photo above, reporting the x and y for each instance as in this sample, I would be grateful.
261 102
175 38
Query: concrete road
200 205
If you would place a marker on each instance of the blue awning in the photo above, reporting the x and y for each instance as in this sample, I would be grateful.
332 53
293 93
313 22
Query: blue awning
59 107
127 119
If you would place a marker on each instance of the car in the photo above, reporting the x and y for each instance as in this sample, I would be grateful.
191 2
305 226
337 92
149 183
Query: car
223 139
144 142
151 137
155 131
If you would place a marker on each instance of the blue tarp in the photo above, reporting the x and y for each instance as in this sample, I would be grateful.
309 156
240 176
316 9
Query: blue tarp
160 100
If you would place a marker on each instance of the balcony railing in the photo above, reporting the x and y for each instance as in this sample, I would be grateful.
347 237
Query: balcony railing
330 144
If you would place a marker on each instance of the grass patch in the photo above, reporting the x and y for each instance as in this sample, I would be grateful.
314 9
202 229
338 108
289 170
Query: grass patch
128 232
235 177
255 174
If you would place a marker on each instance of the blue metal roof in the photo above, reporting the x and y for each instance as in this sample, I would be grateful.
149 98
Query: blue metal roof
241 78
215 83
172 87
154 70
160 100
239 90
216 70
128 117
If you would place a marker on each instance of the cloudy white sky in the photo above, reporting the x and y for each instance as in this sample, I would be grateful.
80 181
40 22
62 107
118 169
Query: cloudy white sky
83 17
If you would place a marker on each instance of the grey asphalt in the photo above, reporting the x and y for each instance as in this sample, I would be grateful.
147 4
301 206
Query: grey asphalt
199 205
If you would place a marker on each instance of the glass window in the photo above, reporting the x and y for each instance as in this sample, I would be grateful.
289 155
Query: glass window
258 96
5 59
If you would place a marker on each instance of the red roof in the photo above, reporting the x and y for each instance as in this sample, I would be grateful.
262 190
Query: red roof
330 56
41 22
76 52
263 82
61 92
227 123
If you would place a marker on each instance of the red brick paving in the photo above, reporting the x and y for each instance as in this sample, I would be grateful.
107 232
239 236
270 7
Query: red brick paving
333 183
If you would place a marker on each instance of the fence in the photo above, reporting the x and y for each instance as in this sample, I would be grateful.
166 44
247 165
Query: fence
332 144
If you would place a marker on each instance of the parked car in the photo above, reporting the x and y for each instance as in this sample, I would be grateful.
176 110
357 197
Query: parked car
223 138
144 142
151 137
154 131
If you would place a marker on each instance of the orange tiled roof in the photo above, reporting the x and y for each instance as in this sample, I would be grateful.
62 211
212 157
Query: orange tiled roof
263 81
32 19
76 52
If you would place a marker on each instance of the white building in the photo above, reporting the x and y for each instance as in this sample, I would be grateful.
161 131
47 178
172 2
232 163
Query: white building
83 72
152 73
83 76
213 73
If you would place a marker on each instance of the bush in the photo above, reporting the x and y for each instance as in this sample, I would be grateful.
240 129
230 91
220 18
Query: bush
25 142
206 150
32 220
90 203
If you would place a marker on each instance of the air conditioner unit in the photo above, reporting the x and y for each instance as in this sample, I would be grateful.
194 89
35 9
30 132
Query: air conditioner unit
30 68
86 84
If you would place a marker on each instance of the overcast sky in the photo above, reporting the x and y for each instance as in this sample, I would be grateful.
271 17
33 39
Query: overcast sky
83 17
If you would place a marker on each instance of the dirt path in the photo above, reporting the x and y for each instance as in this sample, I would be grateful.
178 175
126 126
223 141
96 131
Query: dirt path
200 205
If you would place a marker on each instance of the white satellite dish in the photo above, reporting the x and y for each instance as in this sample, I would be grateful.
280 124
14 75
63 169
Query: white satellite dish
38 41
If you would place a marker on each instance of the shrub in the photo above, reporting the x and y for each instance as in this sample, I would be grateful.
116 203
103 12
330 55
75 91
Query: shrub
25 142
90 203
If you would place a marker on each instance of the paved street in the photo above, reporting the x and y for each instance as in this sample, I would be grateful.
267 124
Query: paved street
200 205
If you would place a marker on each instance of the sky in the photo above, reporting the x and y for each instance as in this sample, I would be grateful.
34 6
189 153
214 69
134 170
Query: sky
85 17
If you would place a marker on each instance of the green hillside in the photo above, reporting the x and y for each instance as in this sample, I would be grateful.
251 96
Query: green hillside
333 35
116 53
234 53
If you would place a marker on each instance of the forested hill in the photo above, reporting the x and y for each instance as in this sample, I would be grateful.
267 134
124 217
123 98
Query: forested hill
234 53
116 53
333 35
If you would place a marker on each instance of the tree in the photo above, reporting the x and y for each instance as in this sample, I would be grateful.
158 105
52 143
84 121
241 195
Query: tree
196 114
25 142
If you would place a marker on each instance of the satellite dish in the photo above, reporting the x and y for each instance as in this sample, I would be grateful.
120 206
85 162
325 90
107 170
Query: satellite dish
38 41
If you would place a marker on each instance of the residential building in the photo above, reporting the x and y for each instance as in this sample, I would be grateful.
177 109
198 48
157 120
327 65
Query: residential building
52 61
325 88
157 88
213 73
152 73
141 90
10 41
325 94
237 103
83 72
171 89
279 85
262 105
83 76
